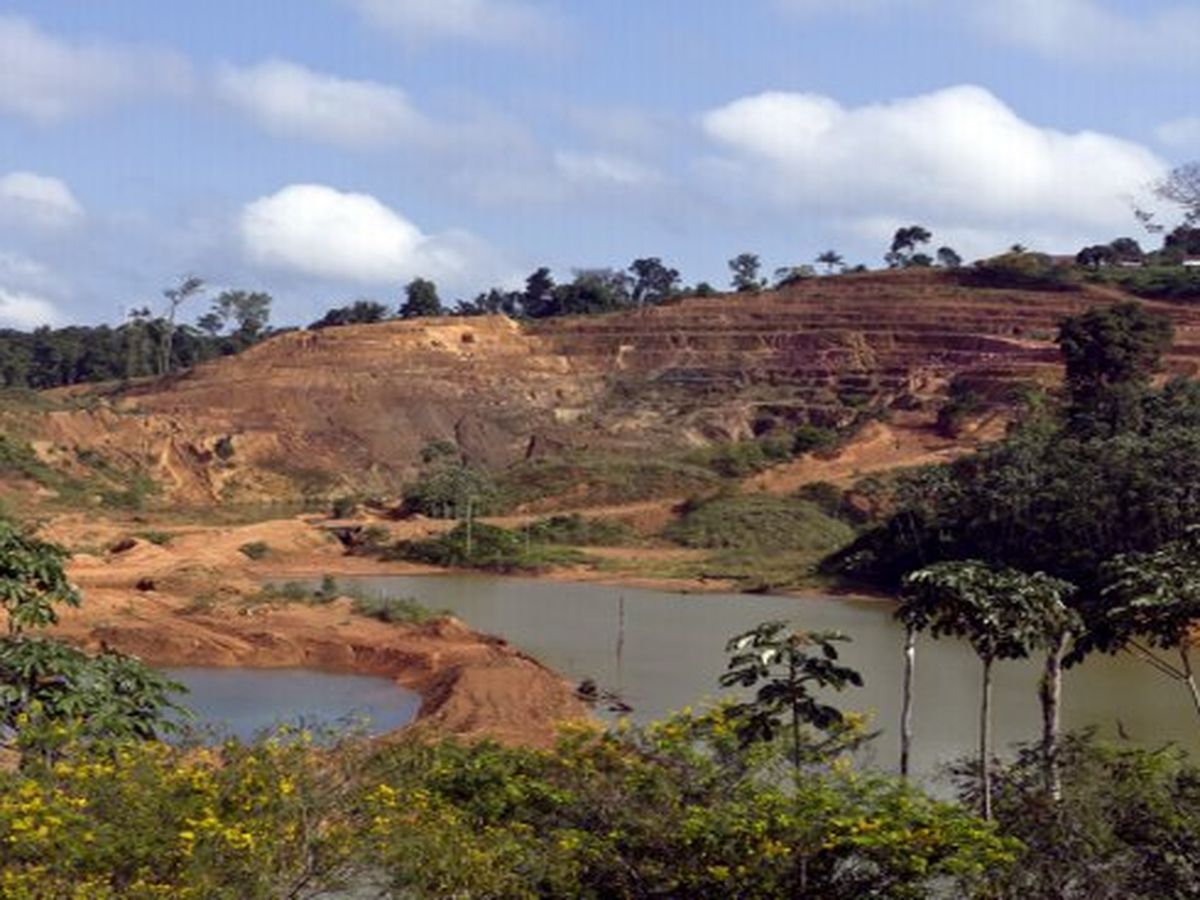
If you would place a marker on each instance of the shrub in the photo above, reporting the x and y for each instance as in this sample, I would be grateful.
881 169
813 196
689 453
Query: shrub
481 546
158 538
759 523
453 492
395 610
575 529
597 480
1021 271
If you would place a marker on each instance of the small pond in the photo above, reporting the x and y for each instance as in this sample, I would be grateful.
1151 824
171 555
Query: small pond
245 702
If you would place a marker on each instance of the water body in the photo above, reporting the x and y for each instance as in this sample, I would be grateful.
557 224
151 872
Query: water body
246 702
663 651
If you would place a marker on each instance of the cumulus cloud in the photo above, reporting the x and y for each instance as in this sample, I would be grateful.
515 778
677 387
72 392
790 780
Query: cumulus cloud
957 156
287 98
315 230
20 309
47 79
1094 30
39 201
483 21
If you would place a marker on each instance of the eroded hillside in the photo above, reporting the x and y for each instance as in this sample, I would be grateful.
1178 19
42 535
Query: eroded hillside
353 407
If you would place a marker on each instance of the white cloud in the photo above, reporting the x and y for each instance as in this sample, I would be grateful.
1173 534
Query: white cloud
1093 29
315 230
287 98
484 21
604 169
28 199
20 309
957 157
1182 133
47 79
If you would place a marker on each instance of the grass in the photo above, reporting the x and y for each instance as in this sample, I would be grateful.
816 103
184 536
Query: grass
392 610
486 547
153 536
575 530
601 480
760 524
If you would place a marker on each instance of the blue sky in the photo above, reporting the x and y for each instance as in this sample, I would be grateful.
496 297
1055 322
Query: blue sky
333 149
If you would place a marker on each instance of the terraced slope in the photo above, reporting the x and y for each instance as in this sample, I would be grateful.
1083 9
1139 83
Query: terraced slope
354 406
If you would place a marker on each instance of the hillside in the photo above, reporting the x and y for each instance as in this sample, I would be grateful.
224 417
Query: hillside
352 407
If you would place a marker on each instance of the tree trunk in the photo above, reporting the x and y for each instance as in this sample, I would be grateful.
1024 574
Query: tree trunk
795 725
910 662
1188 675
985 722
1050 691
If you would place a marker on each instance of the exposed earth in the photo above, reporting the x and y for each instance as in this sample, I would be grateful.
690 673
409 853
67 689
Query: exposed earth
315 414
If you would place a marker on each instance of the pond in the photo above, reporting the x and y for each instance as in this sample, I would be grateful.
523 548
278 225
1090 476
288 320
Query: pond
663 651
245 702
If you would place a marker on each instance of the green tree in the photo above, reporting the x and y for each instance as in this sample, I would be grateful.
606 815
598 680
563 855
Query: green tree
1003 614
189 286
786 666
905 244
831 260
360 312
653 282
948 258
745 269
1110 354
1151 601
249 311
420 299
45 682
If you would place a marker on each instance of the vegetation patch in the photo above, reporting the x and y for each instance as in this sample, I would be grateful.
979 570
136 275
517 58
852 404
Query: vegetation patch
600 480
576 530
488 547
759 523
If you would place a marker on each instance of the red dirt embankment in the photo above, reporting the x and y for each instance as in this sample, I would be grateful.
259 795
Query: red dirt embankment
198 605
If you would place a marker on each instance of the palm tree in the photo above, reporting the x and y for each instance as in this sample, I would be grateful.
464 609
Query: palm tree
831 260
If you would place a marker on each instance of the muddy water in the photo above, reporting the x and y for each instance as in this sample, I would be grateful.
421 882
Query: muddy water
663 651
244 702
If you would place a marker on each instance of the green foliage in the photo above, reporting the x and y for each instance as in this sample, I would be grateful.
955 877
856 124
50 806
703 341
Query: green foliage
1169 282
18 459
1020 270
420 299
395 610
255 550
1152 596
575 530
758 522
740 459
744 273
32 580
673 810
360 312
601 480
476 545
453 491
1046 500
1110 356
787 667
44 684
1002 613
1128 824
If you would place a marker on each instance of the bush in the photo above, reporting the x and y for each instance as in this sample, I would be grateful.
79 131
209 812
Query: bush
395 610
481 546
255 550
158 538
1020 271
758 523
576 530
598 480
453 492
